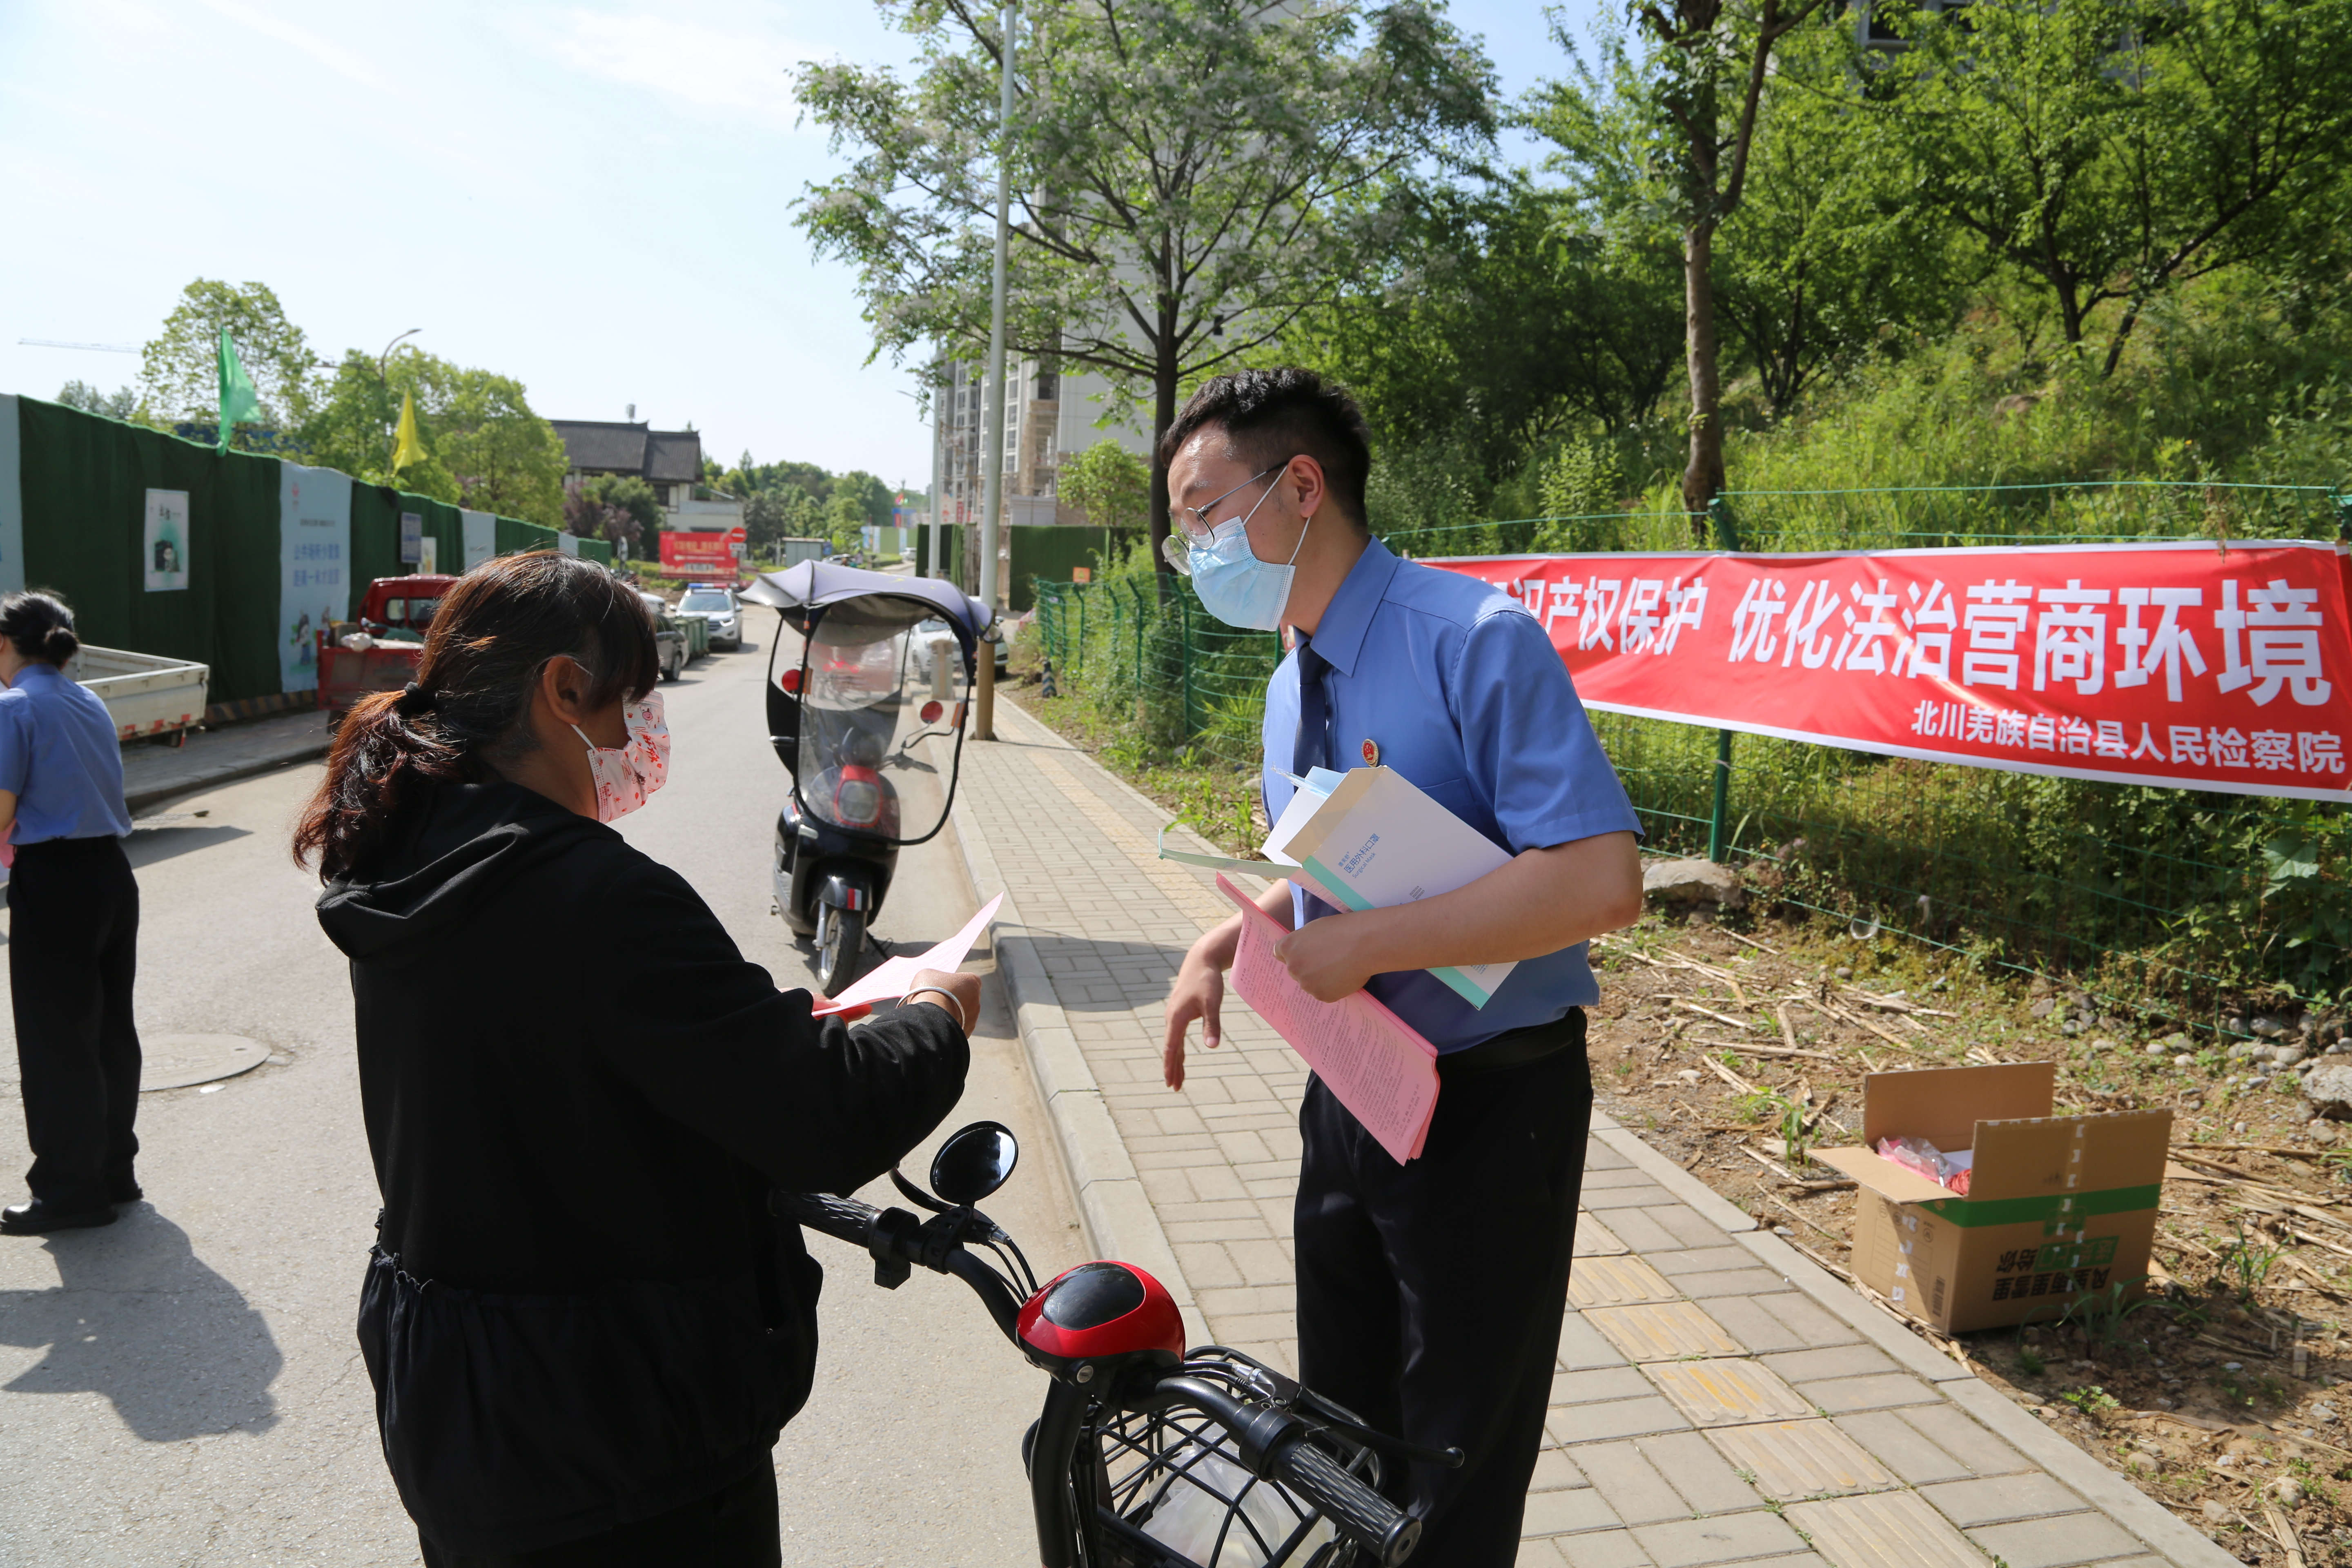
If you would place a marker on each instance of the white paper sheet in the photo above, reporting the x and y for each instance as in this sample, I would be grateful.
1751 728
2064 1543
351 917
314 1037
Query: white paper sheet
890 979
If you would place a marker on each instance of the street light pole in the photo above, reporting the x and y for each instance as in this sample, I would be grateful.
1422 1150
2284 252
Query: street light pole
939 567
992 496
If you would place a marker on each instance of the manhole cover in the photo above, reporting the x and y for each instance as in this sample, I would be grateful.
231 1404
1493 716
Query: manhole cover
175 1061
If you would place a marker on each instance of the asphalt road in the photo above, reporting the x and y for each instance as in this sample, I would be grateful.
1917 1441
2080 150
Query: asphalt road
183 1387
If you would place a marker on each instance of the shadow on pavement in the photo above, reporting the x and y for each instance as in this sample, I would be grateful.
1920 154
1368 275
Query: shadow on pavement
1076 967
150 845
138 1317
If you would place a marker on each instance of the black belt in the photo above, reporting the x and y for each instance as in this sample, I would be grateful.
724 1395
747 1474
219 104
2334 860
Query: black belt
1518 1047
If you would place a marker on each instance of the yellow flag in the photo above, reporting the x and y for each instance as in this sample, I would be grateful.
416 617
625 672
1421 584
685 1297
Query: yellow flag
406 448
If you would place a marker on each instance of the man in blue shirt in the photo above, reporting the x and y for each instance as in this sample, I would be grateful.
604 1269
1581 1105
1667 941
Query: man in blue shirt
1430 1294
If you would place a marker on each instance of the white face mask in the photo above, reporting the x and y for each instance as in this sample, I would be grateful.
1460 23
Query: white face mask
626 773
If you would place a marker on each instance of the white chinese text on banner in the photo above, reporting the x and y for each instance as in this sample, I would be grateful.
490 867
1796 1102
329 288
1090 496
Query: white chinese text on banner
2171 663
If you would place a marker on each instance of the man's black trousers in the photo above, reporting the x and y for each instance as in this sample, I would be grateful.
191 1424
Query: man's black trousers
73 954
1430 1294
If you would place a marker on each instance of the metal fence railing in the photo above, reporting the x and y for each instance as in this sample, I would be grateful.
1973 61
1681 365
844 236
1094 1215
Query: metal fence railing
2180 904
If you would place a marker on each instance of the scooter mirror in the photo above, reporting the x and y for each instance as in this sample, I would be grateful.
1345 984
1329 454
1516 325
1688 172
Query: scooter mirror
974 1162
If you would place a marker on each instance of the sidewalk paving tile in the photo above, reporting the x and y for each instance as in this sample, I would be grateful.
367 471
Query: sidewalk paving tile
2057 1542
1795 1459
1661 1331
1698 1356
1594 1239
1884 1530
1727 1538
1616 1282
2001 1500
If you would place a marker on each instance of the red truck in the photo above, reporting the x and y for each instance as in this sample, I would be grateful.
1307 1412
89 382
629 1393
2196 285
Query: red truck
396 610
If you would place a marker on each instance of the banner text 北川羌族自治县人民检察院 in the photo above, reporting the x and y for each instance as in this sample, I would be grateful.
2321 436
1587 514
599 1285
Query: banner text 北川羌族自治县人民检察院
2167 663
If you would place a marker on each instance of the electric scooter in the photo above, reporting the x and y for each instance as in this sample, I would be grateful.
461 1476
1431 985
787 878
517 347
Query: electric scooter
868 671
1147 1454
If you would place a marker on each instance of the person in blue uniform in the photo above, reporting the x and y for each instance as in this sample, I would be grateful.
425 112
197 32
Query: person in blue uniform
73 927
1429 1293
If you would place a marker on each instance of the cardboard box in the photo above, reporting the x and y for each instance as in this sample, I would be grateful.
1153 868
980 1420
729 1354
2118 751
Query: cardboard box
2058 1207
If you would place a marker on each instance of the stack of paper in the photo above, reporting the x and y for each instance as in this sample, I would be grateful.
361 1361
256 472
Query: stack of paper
889 979
1372 1061
1376 841
1369 839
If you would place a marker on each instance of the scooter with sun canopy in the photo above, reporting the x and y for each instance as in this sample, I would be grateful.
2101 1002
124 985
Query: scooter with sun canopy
869 681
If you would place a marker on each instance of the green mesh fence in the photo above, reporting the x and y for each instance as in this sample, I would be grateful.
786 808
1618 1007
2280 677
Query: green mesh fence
2181 904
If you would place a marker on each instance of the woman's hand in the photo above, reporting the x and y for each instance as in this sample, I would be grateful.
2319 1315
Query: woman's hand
963 988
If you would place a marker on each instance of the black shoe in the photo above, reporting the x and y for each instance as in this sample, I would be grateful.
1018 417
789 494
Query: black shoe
38 1219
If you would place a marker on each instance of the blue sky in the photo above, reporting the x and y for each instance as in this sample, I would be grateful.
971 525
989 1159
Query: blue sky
593 198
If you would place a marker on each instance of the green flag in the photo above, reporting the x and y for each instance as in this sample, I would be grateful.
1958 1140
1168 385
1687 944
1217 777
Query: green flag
237 399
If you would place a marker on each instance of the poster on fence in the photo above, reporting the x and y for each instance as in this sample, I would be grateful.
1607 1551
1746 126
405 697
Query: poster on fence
164 544
314 548
2176 663
480 537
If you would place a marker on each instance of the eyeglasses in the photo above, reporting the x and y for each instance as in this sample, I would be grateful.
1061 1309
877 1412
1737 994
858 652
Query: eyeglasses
1194 520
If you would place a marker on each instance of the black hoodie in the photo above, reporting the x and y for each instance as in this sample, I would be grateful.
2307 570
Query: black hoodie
577 1094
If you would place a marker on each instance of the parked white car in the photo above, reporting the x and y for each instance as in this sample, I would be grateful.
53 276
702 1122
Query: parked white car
719 608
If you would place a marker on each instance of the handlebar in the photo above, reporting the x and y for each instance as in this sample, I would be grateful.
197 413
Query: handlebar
1273 1442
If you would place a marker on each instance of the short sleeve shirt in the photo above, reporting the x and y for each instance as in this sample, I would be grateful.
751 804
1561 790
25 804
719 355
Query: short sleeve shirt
1455 686
59 757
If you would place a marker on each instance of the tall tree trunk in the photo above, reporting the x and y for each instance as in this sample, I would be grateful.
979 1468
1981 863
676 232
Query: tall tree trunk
1702 479
1163 415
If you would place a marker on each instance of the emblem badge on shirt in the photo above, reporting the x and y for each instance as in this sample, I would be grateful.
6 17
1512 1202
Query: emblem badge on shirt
1372 753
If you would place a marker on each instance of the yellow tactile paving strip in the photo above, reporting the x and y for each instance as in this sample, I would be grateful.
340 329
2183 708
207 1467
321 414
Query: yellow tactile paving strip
1663 1330
1594 1239
1884 1530
1616 1282
1793 1459
1726 1393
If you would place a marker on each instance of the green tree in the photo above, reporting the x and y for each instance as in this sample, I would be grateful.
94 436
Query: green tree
1108 485
631 495
179 369
844 516
1697 94
122 403
2113 150
484 445
1511 313
1191 175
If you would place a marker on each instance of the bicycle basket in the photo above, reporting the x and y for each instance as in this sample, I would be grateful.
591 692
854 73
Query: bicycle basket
1173 1492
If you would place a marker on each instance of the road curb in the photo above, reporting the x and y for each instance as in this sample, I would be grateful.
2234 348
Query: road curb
141 800
1105 1188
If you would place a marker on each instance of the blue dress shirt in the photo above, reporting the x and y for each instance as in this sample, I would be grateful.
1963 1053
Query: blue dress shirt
59 758
1461 691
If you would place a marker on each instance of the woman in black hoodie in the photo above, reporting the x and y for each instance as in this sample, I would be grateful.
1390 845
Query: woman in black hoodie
584 1329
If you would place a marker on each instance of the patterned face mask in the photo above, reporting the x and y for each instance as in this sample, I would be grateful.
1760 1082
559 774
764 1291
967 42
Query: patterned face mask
626 773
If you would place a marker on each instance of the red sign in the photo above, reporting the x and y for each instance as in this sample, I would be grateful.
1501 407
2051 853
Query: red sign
702 556
2176 663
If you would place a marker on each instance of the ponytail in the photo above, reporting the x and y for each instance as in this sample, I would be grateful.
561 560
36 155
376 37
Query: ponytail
39 626
466 718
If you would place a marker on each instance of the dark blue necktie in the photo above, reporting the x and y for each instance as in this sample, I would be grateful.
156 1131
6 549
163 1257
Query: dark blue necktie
1312 748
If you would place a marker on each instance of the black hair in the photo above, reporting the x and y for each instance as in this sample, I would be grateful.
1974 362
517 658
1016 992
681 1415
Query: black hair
466 716
1271 416
40 625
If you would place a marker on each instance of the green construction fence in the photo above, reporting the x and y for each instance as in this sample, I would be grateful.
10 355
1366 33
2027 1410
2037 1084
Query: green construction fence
81 486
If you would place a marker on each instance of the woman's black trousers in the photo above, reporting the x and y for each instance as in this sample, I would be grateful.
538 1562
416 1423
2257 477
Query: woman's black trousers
73 949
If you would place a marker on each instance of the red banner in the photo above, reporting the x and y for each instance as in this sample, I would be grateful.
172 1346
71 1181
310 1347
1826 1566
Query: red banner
704 556
2178 663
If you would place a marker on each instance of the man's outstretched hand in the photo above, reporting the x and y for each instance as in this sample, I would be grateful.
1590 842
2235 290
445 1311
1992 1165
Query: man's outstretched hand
1199 992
